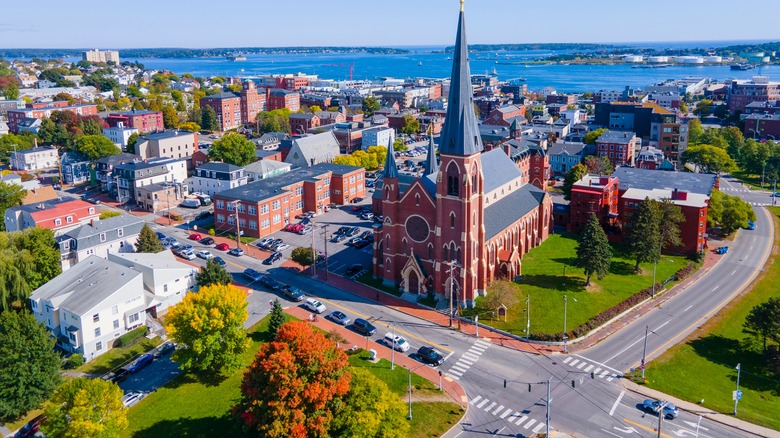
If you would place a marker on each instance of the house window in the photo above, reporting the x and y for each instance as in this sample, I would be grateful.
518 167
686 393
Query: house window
165 288
277 218
276 205
252 209
231 220
265 224
91 210
97 332
241 208
57 222
221 218
264 209
115 310
96 317
252 225
220 203
69 219
98 345
133 318
120 232
102 237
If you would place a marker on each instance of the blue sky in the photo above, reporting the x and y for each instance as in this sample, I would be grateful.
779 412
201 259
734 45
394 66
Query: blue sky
269 23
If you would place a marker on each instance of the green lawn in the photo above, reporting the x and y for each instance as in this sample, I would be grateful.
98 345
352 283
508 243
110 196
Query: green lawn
190 406
704 366
116 357
544 281
376 283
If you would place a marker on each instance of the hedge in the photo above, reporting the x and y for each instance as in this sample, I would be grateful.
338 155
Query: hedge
131 337
685 271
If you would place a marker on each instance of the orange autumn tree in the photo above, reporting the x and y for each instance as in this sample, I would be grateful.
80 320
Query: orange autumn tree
295 384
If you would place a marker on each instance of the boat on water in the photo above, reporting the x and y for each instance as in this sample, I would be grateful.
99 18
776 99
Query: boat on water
449 58
419 63
743 66
236 58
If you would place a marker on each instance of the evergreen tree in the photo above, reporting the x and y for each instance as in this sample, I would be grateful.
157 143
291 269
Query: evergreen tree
148 241
208 119
764 321
594 254
213 273
644 235
277 319
671 218
572 176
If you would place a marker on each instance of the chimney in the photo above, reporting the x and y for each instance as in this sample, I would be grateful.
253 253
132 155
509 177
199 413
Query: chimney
92 223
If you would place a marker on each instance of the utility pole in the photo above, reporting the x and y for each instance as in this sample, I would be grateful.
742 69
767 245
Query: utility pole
565 336
644 352
476 324
326 252
527 316
452 264
736 393
660 417
547 416
313 254
392 349
236 203
410 393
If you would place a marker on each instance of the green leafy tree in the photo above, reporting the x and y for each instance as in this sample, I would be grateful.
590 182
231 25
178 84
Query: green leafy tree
703 108
109 214
276 320
671 218
370 409
190 126
594 254
86 408
314 109
12 91
96 146
208 119
212 273
295 384
11 195
370 104
274 121
209 328
36 256
131 142
709 158
170 117
572 176
592 136
411 125
399 145
234 149
24 340
763 321
736 214
695 132
598 165
303 256
148 242
644 235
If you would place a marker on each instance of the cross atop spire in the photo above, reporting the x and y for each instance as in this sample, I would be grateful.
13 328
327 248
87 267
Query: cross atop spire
461 5
460 134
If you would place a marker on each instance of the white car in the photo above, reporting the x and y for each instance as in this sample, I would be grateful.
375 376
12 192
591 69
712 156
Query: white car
281 247
187 254
132 398
397 343
205 254
314 305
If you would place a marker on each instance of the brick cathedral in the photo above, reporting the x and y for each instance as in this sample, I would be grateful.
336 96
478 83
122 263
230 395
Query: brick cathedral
469 218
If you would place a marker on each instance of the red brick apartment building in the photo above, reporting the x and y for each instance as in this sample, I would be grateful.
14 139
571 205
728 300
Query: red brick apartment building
280 98
593 194
228 108
266 206
39 111
759 89
143 121
618 146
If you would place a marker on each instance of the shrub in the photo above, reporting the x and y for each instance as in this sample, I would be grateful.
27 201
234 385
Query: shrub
74 361
174 216
131 337
212 232
685 272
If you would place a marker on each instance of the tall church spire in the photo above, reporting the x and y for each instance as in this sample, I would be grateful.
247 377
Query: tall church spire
460 134
431 163
391 169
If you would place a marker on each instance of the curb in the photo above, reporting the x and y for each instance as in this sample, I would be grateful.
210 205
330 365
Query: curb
717 417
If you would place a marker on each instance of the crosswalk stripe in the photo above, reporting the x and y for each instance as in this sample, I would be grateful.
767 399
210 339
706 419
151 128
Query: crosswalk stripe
498 409
567 359
460 368
490 407
482 343
470 357
596 371
601 376
453 376
513 417
506 412
457 373
609 379
469 363
530 422
538 427
588 368
482 403
474 351
574 362
520 421
582 364
475 399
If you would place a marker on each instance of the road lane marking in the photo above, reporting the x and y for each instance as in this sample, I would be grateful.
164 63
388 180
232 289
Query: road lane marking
732 272
490 407
498 409
499 431
574 362
514 417
538 428
448 356
506 412
610 378
617 402
567 359
452 376
461 368
642 426
715 288
598 363
482 403
520 421
529 424
476 399
688 308
478 348
641 338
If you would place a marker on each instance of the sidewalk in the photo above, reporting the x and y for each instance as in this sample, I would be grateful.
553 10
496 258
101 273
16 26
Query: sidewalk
728 420
451 387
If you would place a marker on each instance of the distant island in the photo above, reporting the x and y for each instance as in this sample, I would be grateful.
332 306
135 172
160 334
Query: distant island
199 53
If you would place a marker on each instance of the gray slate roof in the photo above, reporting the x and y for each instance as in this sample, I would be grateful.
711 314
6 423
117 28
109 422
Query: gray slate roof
508 210
646 179
88 235
216 166
86 285
498 169
566 149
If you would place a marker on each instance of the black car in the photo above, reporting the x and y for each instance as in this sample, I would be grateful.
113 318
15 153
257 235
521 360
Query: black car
364 327
354 269
341 231
360 244
365 234
32 426
206 241
270 283
118 375
338 238
292 293
430 356
273 258
352 232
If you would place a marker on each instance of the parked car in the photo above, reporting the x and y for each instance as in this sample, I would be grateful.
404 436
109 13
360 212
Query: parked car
352 232
132 398
366 215
722 250
305 230
203 215
190 203
339 318
186 247
397 343
207 241
353 241
310 214
362 243
281 247
205 254
196 237
751 225
270 283
314 305
252 274
354 269
338 238
32 426
164 349
341 230
238 252
366 234
364 327
670 410
142 361
430 355
264 241
222 247
292 293
220 261
187 254
118 375
160 235
273 258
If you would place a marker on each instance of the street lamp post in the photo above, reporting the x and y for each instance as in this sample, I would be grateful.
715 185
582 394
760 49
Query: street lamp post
410 369
736 393
644 353
527 316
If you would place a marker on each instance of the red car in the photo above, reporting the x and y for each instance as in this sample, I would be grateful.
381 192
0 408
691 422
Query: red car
195 236
222 247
